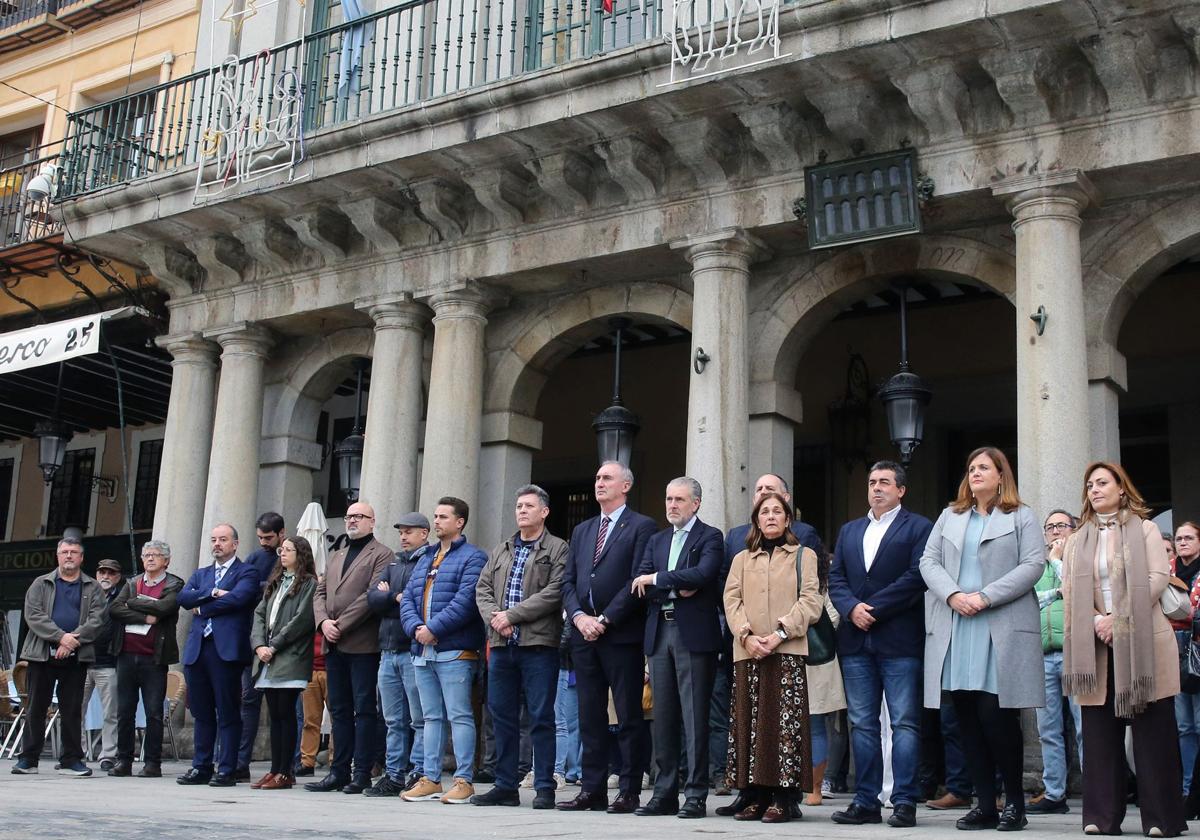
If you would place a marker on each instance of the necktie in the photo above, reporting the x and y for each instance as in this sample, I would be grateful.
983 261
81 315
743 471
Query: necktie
600 540
676 547
217 575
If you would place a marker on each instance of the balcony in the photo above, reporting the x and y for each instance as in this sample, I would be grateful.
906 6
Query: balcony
24 215
412 53
24 23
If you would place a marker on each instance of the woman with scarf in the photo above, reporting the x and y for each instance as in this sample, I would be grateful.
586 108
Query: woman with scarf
772 595
984 556
282 640
1119 657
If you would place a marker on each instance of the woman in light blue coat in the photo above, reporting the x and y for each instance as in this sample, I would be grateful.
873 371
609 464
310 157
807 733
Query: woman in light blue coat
982 643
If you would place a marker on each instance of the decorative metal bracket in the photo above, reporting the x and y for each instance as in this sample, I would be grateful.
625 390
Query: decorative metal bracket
701 361
105 486
1040 318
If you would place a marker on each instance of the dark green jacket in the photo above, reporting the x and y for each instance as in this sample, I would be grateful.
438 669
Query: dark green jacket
1052 616
44 633
131 608
291 635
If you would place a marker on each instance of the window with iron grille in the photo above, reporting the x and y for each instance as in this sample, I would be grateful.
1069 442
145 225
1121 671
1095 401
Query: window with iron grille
861 199
145 487
71 492
6 479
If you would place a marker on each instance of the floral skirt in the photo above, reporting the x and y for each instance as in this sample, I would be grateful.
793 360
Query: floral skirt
769 739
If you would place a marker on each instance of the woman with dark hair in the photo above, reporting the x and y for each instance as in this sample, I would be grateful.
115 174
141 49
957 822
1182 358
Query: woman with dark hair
771 597
1120 662
282 641
983 558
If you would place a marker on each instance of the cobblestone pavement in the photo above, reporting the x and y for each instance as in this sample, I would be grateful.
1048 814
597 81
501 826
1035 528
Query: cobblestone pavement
48 807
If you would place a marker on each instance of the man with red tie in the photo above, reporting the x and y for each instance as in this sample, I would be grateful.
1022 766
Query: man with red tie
606 640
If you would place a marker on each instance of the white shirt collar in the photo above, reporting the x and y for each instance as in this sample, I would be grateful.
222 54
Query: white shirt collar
615 515
155 582
887 517
687 527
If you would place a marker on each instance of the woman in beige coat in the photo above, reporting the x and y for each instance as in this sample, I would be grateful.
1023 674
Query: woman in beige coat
1120 661
771 597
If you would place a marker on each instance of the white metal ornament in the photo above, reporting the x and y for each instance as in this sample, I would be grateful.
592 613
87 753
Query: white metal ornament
699 50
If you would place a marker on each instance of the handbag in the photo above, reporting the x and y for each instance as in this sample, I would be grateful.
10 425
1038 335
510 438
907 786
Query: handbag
822 637
1175 601
1189 662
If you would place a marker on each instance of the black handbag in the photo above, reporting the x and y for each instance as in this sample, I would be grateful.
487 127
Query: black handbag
822 637
1189 661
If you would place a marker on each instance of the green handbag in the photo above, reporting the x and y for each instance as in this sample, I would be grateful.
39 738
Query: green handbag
822 637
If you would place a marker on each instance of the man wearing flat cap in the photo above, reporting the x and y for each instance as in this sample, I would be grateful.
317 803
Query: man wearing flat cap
397 685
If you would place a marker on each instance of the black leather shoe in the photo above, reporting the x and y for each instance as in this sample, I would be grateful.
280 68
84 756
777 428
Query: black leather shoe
693 809
331 782
498 796
625 803
121 768
856 815
903 816
976 820
304 770
357 786
194 776
241 774
585 802
150 770
1012 819
658 807
223 780
543 800
739 803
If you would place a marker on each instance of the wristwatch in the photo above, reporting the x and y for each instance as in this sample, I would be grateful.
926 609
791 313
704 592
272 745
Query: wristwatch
782 634
603 619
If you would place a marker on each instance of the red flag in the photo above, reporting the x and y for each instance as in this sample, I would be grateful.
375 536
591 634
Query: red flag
608 6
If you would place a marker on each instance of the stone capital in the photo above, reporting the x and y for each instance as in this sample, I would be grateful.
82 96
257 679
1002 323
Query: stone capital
511 427
732 246
472 302
395 311
1105 363
189 348
290 450
1065 195
242 338
775 398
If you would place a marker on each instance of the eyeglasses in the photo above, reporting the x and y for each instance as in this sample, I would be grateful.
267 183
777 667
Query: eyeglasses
107 572
1185 538
355 517
151 555
284 548
1057 526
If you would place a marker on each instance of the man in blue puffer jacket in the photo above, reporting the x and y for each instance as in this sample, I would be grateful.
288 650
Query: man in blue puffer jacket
440 616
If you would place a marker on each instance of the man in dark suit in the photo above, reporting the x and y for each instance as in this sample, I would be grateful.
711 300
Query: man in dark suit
679 576
222 598
876 586
606 642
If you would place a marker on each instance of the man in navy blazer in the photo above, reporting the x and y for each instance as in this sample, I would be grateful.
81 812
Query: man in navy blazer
875 584
222 598
606 640
679 576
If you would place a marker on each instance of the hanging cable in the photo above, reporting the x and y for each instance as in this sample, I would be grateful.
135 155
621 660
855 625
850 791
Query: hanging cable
112 358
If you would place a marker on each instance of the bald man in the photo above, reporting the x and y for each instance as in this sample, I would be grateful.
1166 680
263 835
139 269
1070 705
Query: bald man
351 643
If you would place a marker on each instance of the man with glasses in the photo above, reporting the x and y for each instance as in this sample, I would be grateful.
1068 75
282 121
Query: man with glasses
351 632
102 676
1055 763
144 617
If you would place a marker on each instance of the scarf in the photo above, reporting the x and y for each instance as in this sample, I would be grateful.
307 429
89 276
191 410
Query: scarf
1133 633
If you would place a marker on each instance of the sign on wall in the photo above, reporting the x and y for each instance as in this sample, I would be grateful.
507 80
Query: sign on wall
49 343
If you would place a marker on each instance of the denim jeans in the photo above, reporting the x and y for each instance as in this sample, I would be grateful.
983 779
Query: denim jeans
1050 730
870 680
445 689
819 725
351 678
532 671
401 712
567 752
1187 719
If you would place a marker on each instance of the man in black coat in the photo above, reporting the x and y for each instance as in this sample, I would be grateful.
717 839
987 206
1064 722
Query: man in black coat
606 642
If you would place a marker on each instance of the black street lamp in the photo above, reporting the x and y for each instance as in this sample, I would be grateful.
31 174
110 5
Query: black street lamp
348 455
905 396
52 435
616 426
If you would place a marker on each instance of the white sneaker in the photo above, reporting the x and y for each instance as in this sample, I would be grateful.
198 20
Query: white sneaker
614 782
560 781
527 782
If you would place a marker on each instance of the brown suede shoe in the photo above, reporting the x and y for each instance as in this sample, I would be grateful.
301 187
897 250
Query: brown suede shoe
279 781
948 802
266 778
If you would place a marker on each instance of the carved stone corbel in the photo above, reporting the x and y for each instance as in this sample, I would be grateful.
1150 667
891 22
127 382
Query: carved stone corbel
634 164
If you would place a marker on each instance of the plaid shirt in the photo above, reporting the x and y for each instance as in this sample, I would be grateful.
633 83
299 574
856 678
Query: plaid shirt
514 590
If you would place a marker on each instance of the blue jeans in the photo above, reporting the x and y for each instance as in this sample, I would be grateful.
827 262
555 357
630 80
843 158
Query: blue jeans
1050 730
532 671
445 689
351 678
870 680
1187 719
567 751
958 780
819 724
401 712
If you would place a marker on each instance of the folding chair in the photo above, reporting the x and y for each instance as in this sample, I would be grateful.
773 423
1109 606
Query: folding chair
176 693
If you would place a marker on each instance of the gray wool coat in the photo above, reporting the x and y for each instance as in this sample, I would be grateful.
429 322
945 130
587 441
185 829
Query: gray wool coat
1012 558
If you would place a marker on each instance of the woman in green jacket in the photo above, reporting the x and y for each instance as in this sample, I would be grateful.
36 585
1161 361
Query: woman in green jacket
282 642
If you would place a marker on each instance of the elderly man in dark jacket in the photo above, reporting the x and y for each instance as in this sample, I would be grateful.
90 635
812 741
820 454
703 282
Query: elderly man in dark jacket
397 685
102 675
520 597
64 610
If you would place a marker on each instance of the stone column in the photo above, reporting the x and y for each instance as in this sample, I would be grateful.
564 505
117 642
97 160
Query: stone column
1052 380
505 463
1107 380
453 422
237 433
183 474
718 397
394 408
775 412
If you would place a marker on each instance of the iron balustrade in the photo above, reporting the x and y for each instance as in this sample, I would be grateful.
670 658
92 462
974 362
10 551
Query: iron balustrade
412 52
25 217
15 12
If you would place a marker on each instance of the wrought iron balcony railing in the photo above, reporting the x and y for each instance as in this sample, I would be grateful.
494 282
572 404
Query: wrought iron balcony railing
415 51
26 191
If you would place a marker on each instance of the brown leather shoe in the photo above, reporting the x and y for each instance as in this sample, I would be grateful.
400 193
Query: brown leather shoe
948 802
777 814
279 781
753 811
625 803
584 801
266 778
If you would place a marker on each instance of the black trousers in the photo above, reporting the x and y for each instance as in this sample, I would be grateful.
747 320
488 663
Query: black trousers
991 739
138 674
40 679
281 707
599 667
1156 754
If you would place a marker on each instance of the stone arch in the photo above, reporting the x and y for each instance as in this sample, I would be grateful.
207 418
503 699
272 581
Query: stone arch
524 345
790 321
1118 270
305 375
